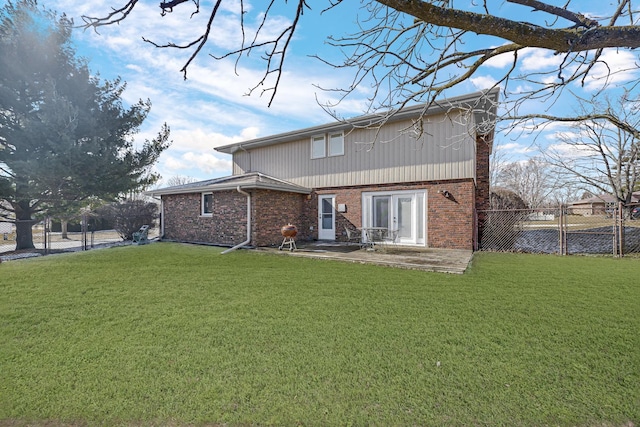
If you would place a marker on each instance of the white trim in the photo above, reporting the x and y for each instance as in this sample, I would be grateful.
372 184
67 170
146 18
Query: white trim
202 204
330 233
315 142
418 204
329 145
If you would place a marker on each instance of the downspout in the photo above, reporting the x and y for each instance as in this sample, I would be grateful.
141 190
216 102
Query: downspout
161 230
248 222
161 235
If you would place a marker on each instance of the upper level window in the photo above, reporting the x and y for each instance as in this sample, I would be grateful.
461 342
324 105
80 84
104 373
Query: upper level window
207 204
336 144
318 147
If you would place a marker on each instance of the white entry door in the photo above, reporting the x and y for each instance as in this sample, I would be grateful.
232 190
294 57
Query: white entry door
404 218
326 218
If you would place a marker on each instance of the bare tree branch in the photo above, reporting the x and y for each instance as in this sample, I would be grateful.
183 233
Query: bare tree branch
579 19
406 51
523 33
114 17
602 146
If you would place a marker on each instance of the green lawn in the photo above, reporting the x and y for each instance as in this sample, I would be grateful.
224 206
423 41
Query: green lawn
169 334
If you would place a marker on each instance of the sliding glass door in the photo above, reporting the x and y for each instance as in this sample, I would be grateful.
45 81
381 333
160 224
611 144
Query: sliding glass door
402 212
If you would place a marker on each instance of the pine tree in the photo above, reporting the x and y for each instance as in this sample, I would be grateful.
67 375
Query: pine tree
65 135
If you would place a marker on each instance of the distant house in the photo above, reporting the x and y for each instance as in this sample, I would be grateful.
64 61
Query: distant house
423 174
598 205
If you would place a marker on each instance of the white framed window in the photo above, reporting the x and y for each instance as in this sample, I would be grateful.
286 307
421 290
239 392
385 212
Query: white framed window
318 147
207 204
336 144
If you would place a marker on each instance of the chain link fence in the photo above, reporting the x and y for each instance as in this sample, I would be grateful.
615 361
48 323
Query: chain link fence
558 231
550 230
48 237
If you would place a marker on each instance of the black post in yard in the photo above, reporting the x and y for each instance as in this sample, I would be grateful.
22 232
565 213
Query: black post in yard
84 231
45 234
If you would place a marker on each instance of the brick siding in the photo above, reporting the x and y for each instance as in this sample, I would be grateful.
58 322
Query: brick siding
183 220
483 148
270 210
449 220
273 209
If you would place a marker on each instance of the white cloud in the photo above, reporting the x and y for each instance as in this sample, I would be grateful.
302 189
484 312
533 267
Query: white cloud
534 59
205 163
614 67
202 140
135 68
483 82
193 153
515 148
570 151
501 61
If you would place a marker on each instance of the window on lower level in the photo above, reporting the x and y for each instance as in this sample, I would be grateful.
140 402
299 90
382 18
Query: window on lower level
207 204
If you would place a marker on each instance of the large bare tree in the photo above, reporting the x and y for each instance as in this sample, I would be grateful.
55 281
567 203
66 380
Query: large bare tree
414 50
532 180
601 147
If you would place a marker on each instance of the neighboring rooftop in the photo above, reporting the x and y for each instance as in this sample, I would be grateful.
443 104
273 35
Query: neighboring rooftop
605 198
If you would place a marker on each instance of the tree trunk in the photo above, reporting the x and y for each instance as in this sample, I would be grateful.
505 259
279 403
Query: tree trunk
24 236
63 228
24 223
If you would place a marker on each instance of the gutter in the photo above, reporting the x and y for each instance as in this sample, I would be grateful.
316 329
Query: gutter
161 218
248 222
161 231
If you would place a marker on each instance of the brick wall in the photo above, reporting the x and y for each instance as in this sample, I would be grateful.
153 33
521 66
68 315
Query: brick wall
270 210
450 221
273 209
483 148
227 226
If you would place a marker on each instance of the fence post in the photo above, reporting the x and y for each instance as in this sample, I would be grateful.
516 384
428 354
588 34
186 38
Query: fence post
45 235
562 235
621 229
84 231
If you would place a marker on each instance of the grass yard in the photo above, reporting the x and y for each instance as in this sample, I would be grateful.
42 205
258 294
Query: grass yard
169 334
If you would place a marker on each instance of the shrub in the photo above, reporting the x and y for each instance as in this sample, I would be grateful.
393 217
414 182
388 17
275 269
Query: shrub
128 216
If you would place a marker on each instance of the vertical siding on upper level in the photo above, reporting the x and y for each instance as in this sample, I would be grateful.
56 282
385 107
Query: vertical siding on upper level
446 150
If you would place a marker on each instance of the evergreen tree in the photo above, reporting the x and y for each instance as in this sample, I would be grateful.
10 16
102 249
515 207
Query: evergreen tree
65 135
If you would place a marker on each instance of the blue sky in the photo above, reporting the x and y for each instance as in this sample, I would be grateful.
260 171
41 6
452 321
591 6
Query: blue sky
211 109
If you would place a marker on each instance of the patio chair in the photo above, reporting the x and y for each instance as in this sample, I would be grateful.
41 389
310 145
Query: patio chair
141 236
354 235
392 235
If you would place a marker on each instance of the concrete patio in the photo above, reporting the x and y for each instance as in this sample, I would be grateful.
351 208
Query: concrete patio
439 260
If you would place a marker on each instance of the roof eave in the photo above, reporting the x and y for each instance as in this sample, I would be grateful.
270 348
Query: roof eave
229 187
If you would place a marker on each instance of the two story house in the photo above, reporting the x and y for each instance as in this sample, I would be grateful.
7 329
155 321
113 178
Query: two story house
422 172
